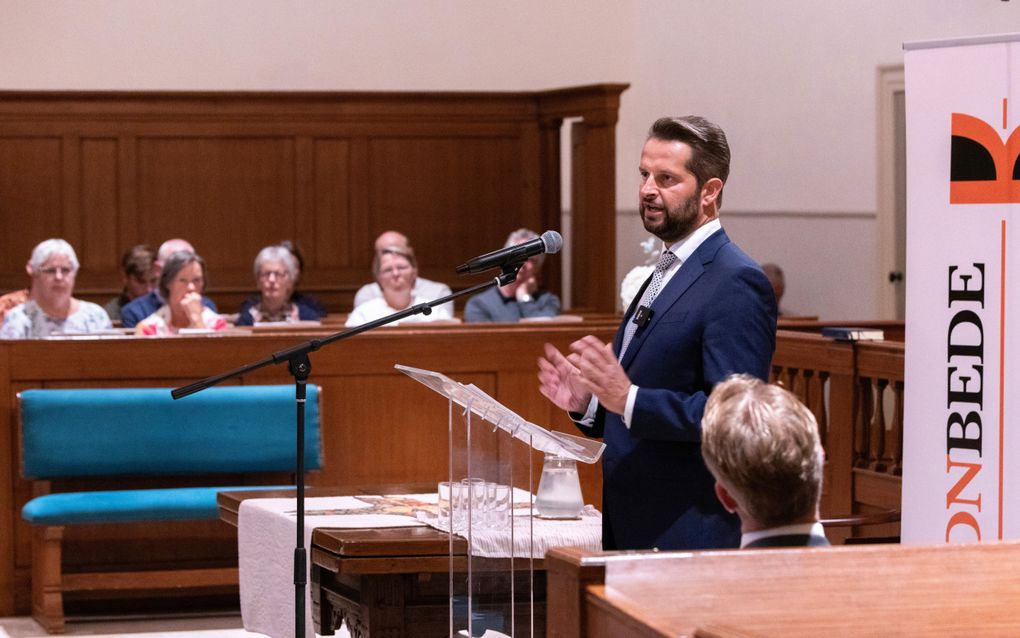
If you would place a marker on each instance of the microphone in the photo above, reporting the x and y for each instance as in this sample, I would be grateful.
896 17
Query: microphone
550 242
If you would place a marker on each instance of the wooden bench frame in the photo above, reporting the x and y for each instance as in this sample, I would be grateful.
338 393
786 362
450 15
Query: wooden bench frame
49 580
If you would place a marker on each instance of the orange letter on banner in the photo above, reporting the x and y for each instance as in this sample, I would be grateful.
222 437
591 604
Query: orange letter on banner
963 518
968 476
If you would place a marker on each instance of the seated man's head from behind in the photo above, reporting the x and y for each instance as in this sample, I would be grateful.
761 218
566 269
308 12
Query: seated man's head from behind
389 239
762 446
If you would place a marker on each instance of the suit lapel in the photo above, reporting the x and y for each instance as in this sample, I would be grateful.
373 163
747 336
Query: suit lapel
629 314
689 272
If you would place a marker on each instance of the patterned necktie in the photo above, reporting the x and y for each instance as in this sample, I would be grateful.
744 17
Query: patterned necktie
666 260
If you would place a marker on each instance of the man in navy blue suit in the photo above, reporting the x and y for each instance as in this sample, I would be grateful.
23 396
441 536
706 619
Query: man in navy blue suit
762 446
707 312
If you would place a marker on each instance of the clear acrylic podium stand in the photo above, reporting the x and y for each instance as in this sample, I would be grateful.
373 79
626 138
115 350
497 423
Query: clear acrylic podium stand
493 586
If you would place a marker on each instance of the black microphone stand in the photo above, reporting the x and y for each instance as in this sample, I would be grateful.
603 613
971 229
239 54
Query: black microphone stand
300 367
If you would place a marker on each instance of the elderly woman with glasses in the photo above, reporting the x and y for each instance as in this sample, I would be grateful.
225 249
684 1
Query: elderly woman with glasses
277 269
51 307
395 269
181 283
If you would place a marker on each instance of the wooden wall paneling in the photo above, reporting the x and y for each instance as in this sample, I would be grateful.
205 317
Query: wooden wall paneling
444 192
212 165
100 246
31 209
72 225
534 196
596 257
551 196
357 235
210 189
531 167
128 231
304 198
580 228
329 235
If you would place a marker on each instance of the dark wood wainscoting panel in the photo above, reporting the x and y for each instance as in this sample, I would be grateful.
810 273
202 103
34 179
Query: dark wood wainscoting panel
476 186
228 196
31 194
324 211
99 249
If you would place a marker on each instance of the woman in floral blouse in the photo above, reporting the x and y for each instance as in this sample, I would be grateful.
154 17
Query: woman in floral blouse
181 284
51 307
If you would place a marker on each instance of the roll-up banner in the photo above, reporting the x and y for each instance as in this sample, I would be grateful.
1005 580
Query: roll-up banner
961 448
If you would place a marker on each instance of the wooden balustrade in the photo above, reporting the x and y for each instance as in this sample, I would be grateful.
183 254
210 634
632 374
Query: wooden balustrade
855 391
877 474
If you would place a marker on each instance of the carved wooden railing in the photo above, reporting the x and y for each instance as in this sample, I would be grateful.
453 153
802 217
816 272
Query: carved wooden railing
855 391
878 427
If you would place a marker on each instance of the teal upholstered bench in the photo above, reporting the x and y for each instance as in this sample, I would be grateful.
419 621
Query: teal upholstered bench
143 432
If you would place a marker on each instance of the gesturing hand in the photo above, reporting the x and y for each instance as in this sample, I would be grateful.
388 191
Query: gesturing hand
600 373
559 382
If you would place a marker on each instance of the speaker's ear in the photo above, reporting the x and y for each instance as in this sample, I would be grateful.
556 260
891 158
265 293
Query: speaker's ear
710 192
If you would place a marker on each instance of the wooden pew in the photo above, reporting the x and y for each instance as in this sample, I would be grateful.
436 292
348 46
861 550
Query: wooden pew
873 590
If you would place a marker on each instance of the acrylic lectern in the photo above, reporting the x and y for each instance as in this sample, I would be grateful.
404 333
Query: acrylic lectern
489 499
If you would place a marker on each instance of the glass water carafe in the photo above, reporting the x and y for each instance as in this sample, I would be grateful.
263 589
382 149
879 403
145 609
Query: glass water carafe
559 489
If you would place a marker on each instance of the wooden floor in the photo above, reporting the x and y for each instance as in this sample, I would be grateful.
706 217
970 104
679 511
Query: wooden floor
205 626
177 627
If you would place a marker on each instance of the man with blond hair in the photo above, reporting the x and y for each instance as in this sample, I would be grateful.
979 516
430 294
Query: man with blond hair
761 444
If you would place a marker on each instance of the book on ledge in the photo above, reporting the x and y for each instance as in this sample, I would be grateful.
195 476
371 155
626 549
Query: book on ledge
849 333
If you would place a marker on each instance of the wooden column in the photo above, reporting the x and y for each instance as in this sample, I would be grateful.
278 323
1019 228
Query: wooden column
593 191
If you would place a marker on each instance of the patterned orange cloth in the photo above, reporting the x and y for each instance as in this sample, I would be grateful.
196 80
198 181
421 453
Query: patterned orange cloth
10 300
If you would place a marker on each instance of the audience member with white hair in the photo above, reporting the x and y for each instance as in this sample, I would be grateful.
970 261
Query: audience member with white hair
277 271
51 307
762 446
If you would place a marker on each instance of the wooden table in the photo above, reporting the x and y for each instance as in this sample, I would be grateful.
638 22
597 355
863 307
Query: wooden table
396 581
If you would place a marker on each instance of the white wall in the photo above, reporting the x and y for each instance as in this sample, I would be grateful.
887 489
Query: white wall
791 81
